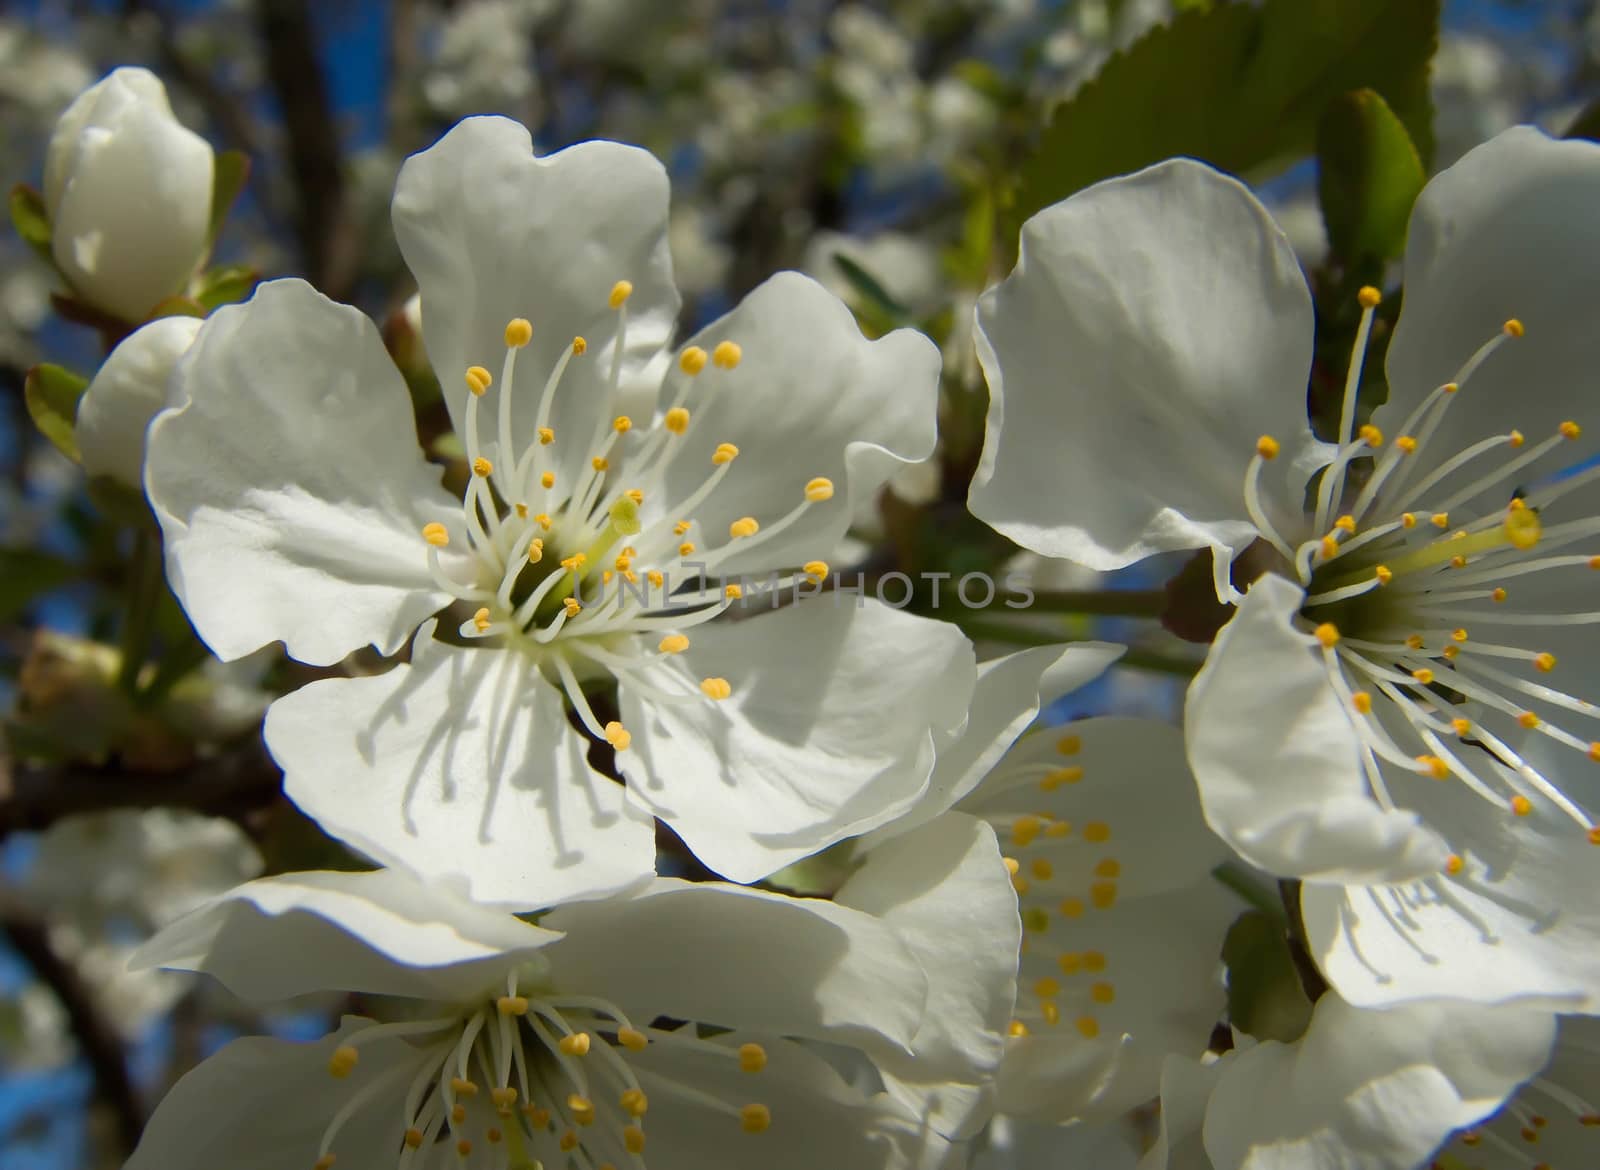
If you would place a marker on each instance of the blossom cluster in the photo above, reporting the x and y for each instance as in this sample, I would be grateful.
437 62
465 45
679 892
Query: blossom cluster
583 766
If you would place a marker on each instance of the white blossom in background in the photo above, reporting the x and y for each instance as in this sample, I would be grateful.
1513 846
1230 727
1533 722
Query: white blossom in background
128 190
665 1028
1400 711
905 265
1111 863
128 390
483 62
1362 1089
298 506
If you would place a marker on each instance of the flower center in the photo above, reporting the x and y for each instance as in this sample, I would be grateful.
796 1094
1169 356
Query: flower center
1403 567
529 1080
1547 1120
583 577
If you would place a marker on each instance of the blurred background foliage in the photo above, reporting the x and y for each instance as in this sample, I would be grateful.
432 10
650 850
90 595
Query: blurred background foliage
890 148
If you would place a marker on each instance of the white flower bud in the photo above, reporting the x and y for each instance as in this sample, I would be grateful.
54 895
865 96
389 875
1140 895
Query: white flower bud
128 189
125 395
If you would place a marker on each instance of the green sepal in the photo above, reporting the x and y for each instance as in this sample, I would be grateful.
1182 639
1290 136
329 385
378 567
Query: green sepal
32 220
52 394
1368 175
1265 997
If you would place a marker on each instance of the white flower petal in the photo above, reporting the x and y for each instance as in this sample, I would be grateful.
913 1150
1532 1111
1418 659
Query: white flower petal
810 397
381 933
462 768
743 958
1274 753
943 888
1370 1090
126 393
829 731
817 1120
1162 315
263 1104
492 233
1186 1087
1508 231
289 483
1009 693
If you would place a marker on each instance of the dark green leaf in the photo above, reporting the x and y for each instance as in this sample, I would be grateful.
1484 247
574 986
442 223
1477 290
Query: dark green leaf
1265 998
869 288
226 285
228 177
32 220
1240 86
52 395
1368 176
25 573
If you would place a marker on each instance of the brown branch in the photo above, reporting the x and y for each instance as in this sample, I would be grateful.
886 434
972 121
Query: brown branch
98 1043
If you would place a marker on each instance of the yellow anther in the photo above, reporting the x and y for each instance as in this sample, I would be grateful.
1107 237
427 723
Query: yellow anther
1103 895
436 534
482 467
686 548
1498 595
1527 721
633 1139
1594 835
1330 547
1070 962
547 480
656 577
1042 869
618 736
1459 634
1045 987
622 424
1016 1028
1102 992
1267 447
1423 675
478 380
1383 573
1451 653
715 688
519 331
677 420
752 1058
413 1138
726 355
754 1118
504 1098
1369 297
1069 745
579 345
1024 829
324 1163
462 1087
1058 829
1451 387
1462 727
1371 436
1414 641
743 526
816 570
539 1118
1362 702
1327 634
1544 662
1520 805
1516 438
1345 523
635 1102
1055 779
458 1113
570 604
543 520
512 1005
1108 867
1570 430
680 528
673 644
1408 520
521 510
733 592
1405 444
1434 766
1097 832
1050 1012
1458 562
494 1135
725 453
1513 328
1522 527
1088 1027
581 1108
575 562
1454 864
1440 520
600 463
569 1141
343 1061
620 292
632 1039
1071 907
819 489
1012 865
692 361
575 1044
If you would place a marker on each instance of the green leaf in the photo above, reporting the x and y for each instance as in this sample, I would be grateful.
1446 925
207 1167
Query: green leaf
228 176
32 220
177 306
226 285
52 395
1368 175
1240 86
25 573
869 288
1265 998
